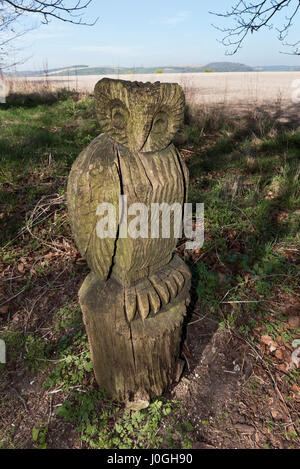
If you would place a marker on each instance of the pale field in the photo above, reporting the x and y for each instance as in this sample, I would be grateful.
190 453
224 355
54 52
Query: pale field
235 88
230 94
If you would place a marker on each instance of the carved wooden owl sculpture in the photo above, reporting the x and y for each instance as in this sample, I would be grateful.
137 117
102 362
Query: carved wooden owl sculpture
133 156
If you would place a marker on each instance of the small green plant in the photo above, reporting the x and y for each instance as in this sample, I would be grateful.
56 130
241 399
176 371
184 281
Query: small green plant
71 367
208 286
14 341
68 319
116 428
193 134
39 436
36 352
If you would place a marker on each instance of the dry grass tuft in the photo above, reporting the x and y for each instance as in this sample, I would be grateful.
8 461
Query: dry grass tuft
25 92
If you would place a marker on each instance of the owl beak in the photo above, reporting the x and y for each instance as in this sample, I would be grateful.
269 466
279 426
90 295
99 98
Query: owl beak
141 143
140 135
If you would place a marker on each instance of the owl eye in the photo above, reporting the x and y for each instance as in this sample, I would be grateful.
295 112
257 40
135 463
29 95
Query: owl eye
119 118
160 123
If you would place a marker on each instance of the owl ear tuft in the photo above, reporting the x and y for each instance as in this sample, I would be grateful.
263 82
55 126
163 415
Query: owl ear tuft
171 102
103 97
172 97
109 96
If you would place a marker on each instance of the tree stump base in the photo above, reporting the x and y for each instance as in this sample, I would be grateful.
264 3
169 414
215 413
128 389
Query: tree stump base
134 361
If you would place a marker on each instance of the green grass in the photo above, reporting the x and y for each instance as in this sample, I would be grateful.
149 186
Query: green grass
246 184
37 147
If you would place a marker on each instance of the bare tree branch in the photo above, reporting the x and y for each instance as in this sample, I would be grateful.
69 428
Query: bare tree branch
13 11
69 11
249 17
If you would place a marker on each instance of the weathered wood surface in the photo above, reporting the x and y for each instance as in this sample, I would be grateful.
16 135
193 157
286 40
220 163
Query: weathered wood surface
134 361
134 301
103 172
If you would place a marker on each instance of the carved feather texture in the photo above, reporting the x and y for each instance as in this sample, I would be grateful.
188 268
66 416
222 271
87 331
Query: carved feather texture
100 174
94 179
151 295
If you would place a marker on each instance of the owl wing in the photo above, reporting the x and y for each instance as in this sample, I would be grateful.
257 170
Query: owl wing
95 179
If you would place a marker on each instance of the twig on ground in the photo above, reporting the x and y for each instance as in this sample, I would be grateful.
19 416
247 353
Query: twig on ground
198 320
187 362
268 371
50 409
20 397
13 297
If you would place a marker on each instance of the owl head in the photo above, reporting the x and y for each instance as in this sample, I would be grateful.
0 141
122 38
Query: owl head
141 116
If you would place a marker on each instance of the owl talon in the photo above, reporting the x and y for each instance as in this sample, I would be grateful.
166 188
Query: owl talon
151 295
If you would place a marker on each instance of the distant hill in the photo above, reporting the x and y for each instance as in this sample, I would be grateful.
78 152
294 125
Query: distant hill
127 70
227 67
278 68
77 70
41 73
214 66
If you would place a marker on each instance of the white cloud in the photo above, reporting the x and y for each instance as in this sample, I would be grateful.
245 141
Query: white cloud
41 36
114 50
180 17
47 32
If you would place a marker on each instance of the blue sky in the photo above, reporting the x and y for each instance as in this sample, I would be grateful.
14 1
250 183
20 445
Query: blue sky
139 33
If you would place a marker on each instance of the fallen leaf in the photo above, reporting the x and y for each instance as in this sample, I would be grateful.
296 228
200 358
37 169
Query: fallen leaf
49 255
294 321
296 388
247 278
282 367
21 268
296 357
279 354
276 414
267 340
4 309
242 428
